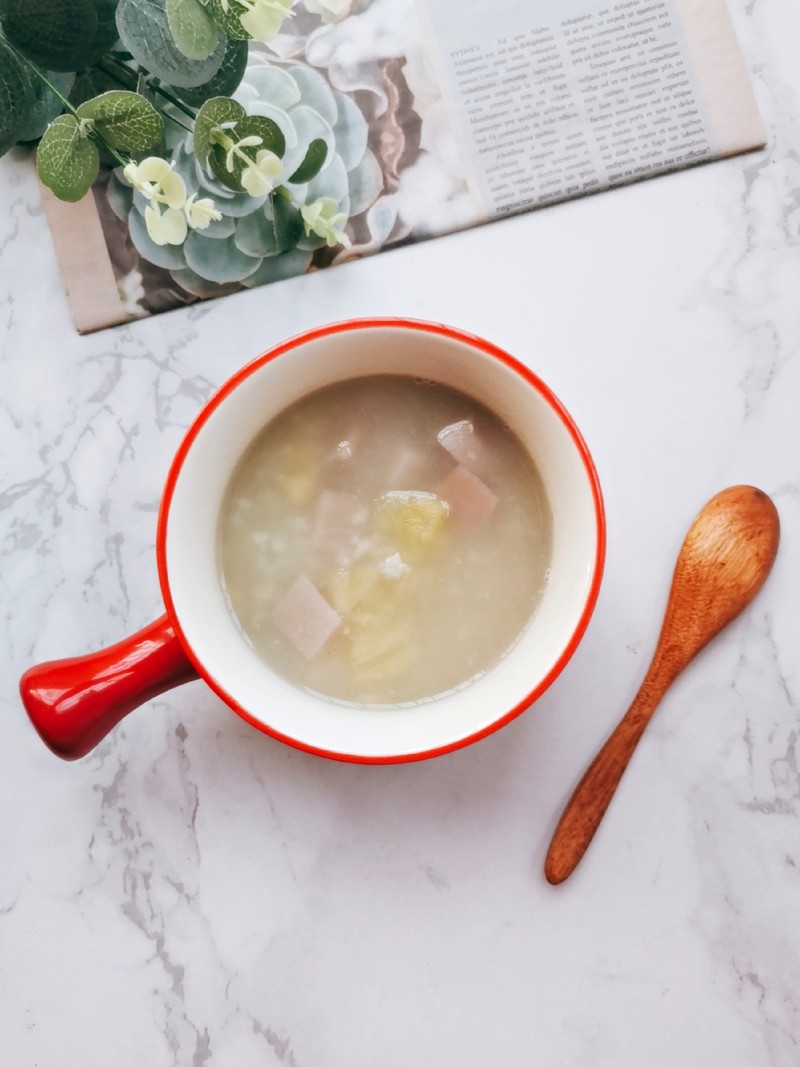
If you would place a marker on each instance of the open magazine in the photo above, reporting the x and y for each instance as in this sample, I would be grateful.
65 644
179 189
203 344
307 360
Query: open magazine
471 112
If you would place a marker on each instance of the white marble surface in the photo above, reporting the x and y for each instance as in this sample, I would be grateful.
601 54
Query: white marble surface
197 894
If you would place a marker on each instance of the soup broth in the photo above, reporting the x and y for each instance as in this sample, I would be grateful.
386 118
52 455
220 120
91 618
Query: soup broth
384 540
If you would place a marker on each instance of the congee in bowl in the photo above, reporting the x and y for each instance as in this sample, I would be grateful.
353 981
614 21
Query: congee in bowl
384 540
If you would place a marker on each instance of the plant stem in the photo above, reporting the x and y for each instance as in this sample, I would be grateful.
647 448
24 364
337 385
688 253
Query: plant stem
40 76
114 77
174 101
63 99
151 85
114 74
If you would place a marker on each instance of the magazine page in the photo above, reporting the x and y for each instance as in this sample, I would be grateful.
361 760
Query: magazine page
436 117
559 98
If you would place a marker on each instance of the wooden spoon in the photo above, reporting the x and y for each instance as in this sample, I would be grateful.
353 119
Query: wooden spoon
725 559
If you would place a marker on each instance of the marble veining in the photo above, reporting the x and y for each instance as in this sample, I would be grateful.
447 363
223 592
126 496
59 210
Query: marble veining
194 894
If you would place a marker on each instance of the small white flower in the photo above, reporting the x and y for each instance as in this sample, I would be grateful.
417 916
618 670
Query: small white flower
262 174
263 18
323 218
330 10
235 149
156 180
200 213
169 228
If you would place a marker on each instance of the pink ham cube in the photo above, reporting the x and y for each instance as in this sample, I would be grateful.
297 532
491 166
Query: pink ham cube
338 523
465 446
305 618
471 501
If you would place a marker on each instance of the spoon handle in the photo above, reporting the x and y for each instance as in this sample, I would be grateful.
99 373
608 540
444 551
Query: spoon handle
593 794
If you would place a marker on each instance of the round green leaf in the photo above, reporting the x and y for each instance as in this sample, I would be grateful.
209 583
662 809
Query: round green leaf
276 268
195 285
312 164
125 121
67 160
145 32
225 82
255 235
287 224
107 32
193 29
211 115
272 139
218 261
230 21
63 35
17 97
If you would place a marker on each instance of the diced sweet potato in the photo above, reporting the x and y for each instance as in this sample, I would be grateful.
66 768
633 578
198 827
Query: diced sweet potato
471 500
415 522
305 618
349 587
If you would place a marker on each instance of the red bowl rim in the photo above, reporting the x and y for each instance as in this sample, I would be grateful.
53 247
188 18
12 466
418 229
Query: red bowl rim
451 333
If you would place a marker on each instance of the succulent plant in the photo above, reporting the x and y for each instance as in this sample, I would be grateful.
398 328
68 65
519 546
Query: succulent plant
246 245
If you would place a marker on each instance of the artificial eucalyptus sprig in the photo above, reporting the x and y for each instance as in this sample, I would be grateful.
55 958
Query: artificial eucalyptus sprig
113 80
185 51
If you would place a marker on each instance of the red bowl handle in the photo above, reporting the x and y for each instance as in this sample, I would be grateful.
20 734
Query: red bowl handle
74 703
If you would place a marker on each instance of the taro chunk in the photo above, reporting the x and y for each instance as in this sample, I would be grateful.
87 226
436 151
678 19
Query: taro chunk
415 522
305 618
464 445
471 500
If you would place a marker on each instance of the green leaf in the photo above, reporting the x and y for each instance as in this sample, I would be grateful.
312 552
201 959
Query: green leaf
46 106
312 164
193 29
17 97
249 126
195 285
211 115
225 82
125 121
287 224
107 32
62 35
145 32
229 21
67 160
255 235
